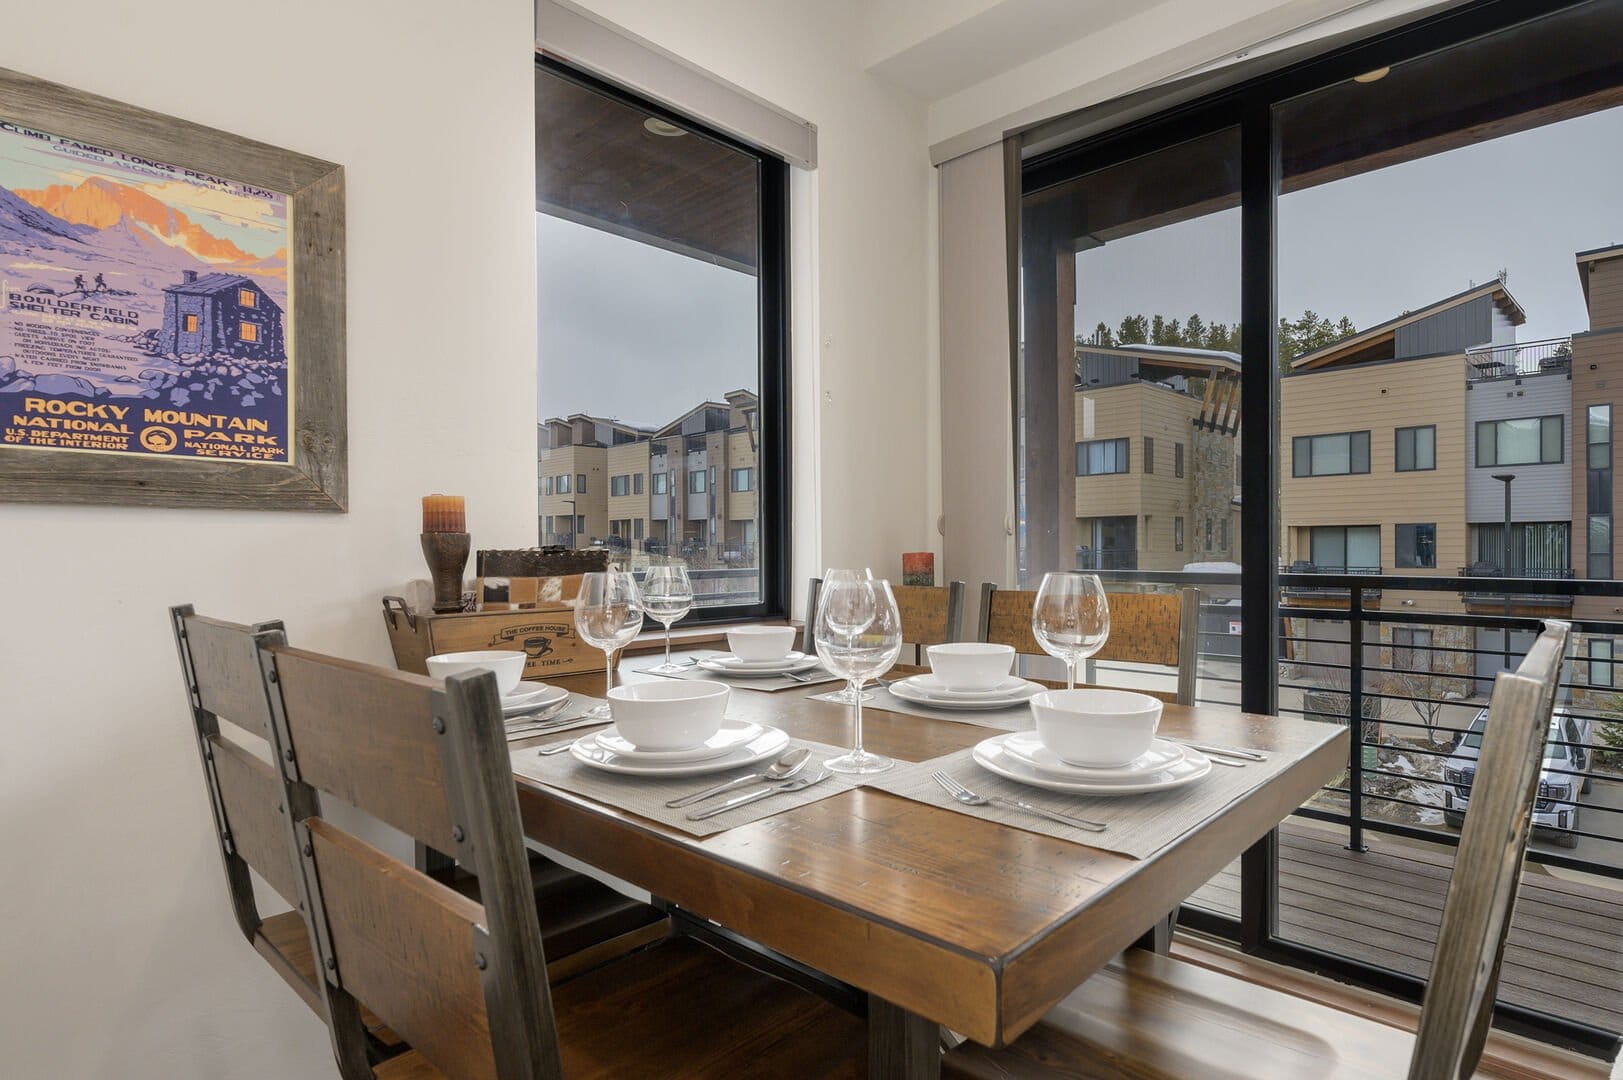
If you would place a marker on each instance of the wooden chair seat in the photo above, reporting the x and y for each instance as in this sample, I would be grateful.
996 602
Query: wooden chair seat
1150 1016
682 1009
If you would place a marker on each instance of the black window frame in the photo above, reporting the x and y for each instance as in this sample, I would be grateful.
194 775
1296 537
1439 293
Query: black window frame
1149 455
1414 545
774 436
1177 460
1543 419
1123 454
1354 438
1414 448
1141 126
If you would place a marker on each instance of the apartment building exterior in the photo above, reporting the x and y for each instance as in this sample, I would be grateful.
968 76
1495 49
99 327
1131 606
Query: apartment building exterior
572 474
1155 467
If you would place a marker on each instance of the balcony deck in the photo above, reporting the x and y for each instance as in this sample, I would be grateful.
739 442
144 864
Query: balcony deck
1565 954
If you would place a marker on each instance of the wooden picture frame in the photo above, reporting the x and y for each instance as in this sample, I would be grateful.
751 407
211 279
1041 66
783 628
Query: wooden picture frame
316 478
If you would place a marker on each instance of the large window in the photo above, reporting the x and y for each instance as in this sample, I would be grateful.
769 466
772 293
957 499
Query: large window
1531 440
1330 455
662 248
1415 546
1346 549
1415 449
1101 456
1598 488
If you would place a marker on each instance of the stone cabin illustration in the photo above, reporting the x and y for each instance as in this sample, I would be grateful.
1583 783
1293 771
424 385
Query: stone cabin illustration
221 313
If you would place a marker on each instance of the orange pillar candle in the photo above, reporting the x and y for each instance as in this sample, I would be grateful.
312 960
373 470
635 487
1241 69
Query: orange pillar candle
444 514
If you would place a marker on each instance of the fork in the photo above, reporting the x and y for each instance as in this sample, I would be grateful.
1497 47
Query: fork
969 798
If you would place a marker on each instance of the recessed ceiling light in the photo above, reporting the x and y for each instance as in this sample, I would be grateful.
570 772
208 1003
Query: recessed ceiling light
1372 76
656 126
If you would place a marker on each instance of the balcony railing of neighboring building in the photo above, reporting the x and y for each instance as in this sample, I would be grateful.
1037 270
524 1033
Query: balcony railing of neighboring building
1106 558
1489 362
1491 570
1304 588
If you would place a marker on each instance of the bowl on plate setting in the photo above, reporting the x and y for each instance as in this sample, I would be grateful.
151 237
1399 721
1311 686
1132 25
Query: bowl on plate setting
1098 728
668 715
508 666
970 665
758 643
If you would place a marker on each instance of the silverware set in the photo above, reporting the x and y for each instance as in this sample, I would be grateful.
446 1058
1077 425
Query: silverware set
969 798
1222 755
526 725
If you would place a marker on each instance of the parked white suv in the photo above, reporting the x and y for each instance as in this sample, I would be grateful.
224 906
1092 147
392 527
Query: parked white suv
1558 789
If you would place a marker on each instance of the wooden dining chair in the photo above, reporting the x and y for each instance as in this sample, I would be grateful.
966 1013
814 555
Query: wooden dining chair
931 615
465 981
1145 628
219 665
1153 1016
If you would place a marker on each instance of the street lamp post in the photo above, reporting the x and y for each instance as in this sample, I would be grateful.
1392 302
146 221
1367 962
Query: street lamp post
1509 557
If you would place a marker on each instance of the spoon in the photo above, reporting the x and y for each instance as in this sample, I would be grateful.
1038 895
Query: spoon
781 769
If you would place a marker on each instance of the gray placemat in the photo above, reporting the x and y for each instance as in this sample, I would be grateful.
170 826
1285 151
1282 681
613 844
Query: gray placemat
571 717
646 796
1139 825
1013 718
771 684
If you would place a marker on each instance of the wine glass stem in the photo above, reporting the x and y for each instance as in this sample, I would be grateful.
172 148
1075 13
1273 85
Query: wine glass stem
856 716
1070 674
608 673
667 645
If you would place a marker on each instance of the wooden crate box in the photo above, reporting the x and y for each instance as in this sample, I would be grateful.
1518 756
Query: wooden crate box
545 633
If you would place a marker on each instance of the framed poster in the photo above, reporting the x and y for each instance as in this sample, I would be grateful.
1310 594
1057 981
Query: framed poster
171 311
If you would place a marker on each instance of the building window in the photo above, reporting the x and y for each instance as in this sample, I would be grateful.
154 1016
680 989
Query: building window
636 484
247 298
1177 460
696 484
546 485
1345 549
580 483
1416 449
743 479
661 482
1340 454
1208 534
1416 546
562 487
580 524
1411 648
1101 457
1531 440
636 526
1600 662
1598 490
620 485
1177 532
1149 455
1223 534
191 324
248 331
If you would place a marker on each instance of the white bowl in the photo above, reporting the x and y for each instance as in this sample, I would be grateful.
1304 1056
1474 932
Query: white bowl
761 642
508 666
668 715
970 665
1099 728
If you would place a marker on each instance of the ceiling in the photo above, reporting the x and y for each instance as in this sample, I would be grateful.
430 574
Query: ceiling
597 164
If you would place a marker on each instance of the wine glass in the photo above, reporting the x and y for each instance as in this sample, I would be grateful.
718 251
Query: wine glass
1071 618
845 695
608 615
859 636
667 596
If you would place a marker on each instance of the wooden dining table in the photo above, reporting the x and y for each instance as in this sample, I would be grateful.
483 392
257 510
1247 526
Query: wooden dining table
940 918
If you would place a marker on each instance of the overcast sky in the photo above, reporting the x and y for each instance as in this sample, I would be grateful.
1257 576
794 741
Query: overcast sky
636 333
1373 245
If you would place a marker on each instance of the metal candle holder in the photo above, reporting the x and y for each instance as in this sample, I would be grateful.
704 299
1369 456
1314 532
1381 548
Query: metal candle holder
447 555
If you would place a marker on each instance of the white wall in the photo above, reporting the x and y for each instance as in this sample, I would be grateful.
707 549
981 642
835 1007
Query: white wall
863 341
120 955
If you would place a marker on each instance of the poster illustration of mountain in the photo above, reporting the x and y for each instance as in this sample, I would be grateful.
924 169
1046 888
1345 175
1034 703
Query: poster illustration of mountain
143 306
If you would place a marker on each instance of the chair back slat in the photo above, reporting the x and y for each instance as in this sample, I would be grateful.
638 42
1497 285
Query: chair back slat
366 735
226 667
1481 898
1145 628
251 791
404 946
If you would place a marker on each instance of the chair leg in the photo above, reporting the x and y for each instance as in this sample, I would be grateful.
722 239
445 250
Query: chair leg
1158 938
901 1045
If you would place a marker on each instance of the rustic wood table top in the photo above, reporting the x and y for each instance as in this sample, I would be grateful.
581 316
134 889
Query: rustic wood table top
961 921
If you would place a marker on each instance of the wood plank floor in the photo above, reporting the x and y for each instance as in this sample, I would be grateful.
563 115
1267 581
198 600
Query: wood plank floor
1382 906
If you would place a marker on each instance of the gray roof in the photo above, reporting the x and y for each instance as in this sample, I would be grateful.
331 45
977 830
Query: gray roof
210 284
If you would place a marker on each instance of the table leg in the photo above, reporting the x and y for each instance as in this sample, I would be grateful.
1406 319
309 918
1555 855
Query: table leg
901 1045
1158 938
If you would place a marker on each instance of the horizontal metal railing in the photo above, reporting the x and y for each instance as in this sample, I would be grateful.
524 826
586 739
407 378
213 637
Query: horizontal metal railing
1489 362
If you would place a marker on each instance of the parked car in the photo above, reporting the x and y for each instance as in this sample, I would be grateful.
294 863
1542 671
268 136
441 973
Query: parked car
1558 790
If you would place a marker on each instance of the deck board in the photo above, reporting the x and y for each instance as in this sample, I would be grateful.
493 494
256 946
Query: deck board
1382 906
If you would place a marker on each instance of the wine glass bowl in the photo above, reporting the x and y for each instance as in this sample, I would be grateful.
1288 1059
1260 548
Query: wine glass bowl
846 695
859 637
1071 618
667 596
608 616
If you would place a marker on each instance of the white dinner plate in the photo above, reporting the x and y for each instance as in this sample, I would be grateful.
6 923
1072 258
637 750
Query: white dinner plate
993 757
932 686
729 660
733 734
904 689
1027 747
758 670
768 743
531 697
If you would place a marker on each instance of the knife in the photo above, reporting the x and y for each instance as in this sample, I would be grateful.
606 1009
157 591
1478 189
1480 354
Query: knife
797 784
1207 748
